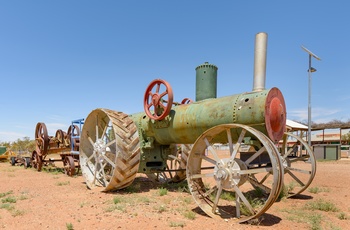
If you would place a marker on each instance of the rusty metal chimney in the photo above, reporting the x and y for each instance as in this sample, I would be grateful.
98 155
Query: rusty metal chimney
260 61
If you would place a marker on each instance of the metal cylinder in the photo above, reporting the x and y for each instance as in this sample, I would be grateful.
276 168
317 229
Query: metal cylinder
264 110
260 62
206 81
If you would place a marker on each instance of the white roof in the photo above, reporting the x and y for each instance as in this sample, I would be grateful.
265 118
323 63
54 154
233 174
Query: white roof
295 125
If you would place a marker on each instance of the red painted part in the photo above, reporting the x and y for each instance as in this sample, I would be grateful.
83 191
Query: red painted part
275 114
155 100
186 101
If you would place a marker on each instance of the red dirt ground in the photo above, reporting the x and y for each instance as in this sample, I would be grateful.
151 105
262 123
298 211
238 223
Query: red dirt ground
55 201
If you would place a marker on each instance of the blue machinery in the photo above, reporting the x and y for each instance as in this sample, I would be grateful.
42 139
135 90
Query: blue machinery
75 140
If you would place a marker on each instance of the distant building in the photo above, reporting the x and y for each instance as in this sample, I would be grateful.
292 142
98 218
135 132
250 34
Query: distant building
327 138
326 144
318 136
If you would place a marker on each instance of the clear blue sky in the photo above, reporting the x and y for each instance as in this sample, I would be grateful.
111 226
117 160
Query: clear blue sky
59 60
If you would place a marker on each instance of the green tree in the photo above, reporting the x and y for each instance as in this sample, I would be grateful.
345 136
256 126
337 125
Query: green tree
346 137
20 145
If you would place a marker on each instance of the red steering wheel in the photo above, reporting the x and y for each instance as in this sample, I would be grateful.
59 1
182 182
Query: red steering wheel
158 99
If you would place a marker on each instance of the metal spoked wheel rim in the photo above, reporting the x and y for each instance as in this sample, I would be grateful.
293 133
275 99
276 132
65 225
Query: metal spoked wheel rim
299 164
42 139
59 137
109 150
211 174
69 166
36 161
33 160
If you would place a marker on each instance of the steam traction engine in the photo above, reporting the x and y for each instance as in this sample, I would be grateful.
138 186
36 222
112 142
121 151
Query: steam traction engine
221 145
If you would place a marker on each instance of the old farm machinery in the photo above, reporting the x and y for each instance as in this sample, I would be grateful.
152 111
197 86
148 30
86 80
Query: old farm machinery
22 158
64 144
6 155
220 145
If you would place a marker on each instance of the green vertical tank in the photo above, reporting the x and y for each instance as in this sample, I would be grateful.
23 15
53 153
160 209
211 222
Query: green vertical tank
206 81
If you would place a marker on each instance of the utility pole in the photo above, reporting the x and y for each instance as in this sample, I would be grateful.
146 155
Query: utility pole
310 70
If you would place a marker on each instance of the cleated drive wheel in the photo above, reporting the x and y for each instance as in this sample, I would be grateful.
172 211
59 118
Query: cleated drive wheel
69 165
219 166
176 166
299 164
109 150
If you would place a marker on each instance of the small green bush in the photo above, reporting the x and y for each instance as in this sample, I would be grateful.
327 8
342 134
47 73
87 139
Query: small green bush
188 200
315 221
229 196
342 216
7 206
316 190
160 208
5 193
162 191
190 215
322 205
116 200
17 212
10 199
63 183
177 224
69 226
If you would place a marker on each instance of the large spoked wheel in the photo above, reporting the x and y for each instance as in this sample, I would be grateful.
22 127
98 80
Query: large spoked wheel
69 165
33 160
217 168
109 150
42 139
158 99
175 171
59 137
37 161
299 164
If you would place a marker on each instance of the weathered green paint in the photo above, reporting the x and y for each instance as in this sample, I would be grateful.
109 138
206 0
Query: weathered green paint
206 81
154 159
264 110
186 123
